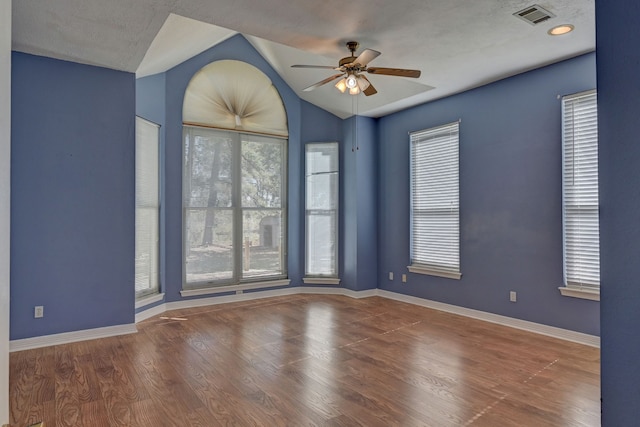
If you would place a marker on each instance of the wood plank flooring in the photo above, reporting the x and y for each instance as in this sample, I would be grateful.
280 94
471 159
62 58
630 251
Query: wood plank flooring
309 360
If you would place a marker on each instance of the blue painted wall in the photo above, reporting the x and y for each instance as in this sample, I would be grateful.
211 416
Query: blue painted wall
618 34
349 205
510 197
150 98
72 196
359 197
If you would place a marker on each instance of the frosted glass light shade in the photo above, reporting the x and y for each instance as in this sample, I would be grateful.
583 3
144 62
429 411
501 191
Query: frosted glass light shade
341 85
363 84
351 81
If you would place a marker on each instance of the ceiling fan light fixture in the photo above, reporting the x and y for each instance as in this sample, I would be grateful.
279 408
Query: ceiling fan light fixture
352 69
351 81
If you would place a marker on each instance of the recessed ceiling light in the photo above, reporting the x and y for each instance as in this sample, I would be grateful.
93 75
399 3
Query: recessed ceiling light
560 30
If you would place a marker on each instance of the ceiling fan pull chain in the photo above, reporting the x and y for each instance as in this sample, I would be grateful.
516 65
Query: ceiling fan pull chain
354 135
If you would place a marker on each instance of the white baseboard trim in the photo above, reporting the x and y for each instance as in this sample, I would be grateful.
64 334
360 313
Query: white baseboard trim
552 331
247 296
234 288
337 291
150 312
69 337
202 302
148 300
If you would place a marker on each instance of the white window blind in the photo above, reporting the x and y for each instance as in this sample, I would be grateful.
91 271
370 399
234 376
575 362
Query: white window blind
580 191
435 225
147 208
321 209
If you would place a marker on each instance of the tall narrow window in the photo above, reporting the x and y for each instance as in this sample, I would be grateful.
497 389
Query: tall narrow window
321 210
234 207
435 224
147 208
580 191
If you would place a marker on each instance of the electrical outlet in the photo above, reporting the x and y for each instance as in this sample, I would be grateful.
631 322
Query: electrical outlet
404 278
513 296
391 275
38 311
239 292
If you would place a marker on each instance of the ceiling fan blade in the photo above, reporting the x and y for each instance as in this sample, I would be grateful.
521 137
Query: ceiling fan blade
323 82
370 90
324 67
366 56
394 72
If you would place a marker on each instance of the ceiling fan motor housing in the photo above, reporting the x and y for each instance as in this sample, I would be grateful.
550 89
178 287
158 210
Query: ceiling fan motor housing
347 60
352 46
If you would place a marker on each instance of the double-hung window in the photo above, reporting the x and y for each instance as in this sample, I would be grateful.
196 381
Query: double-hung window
435 213
321 221
147 208
581 236
234 207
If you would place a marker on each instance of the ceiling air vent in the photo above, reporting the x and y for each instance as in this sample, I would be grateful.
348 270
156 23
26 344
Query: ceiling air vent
534 14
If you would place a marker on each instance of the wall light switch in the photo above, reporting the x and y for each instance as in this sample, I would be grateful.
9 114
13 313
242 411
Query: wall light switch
391 275
512 296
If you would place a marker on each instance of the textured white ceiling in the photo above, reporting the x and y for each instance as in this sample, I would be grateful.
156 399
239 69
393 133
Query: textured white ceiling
458 44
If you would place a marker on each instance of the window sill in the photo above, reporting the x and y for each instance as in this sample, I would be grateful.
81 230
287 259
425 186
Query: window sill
148 299
233 288
320 280
593 295
433 272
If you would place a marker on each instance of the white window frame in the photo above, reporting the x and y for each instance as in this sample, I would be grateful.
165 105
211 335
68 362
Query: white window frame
435 201
147 240
329 187
237 279
580 202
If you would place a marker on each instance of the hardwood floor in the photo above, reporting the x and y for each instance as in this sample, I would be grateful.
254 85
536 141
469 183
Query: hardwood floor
309 360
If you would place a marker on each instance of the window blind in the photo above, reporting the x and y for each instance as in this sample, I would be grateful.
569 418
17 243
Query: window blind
435 224
147 208
321 209
580 191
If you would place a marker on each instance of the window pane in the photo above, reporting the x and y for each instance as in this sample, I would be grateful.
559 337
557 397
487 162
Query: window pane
147 230
322 190
261 172
208 165
262 243
321 243
209 245
146 270
322 181
233 198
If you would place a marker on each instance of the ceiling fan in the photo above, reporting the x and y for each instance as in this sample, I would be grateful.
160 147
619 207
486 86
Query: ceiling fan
351 72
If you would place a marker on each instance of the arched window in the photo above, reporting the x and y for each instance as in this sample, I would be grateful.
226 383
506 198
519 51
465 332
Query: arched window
234 177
